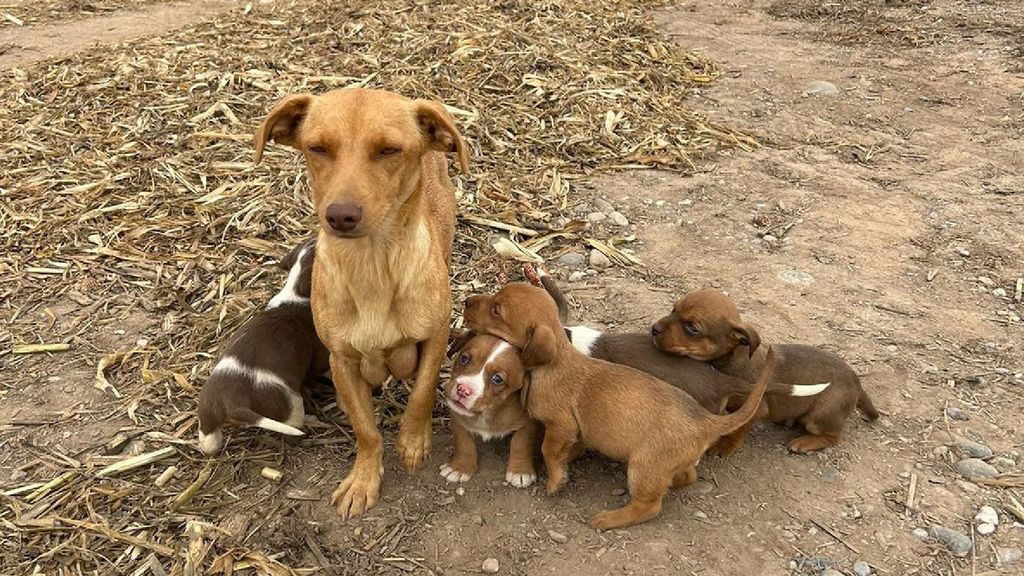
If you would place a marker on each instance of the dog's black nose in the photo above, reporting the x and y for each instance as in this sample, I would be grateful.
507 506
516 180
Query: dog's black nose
657 329
344 217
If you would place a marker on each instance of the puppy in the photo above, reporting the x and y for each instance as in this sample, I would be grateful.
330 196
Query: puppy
258 379
708 386
483 397
381 295
706 326
658 430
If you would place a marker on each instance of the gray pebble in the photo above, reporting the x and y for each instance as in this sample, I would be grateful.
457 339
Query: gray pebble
577 276
789 535
618 219
920 533
987 515
490 565
1009 555
796 277
602 205
822 88
598 259
861 568
558 537
972 448
957 543
830 472
618 492
595 217
1003 463
975 468
572 259
999 292
957 414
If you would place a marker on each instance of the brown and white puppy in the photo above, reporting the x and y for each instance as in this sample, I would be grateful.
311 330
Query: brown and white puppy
705 325
658 430
483 397
710 387
381 295
257 381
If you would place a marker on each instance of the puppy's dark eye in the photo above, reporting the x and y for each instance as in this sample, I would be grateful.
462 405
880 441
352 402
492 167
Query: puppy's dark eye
463 359
318 149
496 310
691 329
389 151
497 380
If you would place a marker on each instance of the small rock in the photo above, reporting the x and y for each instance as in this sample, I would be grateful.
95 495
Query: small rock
572 259
940 451
957 414
618 219
1009 555
999 292
986 281
618 492
789 535
598 259
490 565
861 568
975 468
796 277
985 529
920 533
700 516
830 472
1003 463
987 515
822 88
686 202
957 543
659 203
478 520
558 537
602 205
964 252
580 275
595 217
972 448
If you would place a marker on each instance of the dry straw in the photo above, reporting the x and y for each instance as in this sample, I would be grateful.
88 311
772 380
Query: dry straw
128 201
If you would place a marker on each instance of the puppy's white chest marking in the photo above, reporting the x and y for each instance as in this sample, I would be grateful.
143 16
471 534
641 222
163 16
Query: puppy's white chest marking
288 295
583 338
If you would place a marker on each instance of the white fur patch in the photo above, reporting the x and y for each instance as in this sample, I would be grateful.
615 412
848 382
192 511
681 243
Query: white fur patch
476 382
520 480
583 338
452 475
288 295
810 389
259 376
211 443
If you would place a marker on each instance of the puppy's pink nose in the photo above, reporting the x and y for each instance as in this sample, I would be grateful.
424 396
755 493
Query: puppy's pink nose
344 217
463 391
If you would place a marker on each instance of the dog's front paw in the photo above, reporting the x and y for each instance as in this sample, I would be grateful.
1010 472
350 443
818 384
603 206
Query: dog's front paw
453 474
358 492
605 520
520 480
555 481
413 447
723 448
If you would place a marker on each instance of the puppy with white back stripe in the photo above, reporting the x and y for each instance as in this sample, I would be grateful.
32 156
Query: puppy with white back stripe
258 379
483 397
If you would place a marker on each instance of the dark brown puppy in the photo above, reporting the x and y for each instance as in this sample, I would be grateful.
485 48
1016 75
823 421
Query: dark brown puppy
628 415
258 379
483 397
705 325
708 386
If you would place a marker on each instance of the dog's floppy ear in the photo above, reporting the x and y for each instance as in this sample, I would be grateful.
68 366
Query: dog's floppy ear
745 335
440 131
282 124
540 349
458 341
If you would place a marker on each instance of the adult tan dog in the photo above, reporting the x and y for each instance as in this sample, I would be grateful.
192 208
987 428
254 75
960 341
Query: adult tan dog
381 295
658 430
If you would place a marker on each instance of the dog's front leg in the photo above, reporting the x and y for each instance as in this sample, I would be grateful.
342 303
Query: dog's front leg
414 434
359 491
559 440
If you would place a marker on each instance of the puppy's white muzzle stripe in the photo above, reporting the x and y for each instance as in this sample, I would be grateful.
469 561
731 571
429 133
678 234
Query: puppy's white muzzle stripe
475 382
810 389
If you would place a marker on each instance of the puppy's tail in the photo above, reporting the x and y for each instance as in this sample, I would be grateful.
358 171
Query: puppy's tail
539 277
866 407
248 416
732 422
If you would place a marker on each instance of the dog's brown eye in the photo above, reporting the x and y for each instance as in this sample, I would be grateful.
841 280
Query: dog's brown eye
318 149
497 380
389 151
691 329
463 359
496 310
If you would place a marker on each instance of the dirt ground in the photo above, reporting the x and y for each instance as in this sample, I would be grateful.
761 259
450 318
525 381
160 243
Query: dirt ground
884 222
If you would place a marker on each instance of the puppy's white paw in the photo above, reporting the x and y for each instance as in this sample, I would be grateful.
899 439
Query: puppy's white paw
452 475
520 480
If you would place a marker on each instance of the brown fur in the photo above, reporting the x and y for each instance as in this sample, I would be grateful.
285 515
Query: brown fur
381 293
706 325
658 430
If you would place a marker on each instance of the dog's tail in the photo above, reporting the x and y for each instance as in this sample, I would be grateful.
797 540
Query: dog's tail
796 389
248 416
731 422
866 407
539 277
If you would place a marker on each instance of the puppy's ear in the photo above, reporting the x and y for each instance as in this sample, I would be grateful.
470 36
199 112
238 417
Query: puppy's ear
440 131
282 124
540 349
289 259
745 335
458 341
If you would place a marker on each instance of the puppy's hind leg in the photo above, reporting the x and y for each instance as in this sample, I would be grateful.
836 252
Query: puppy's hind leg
647 488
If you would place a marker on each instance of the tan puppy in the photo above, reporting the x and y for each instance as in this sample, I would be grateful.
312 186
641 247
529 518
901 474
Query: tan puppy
657 429
381 296
483 396
705 325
